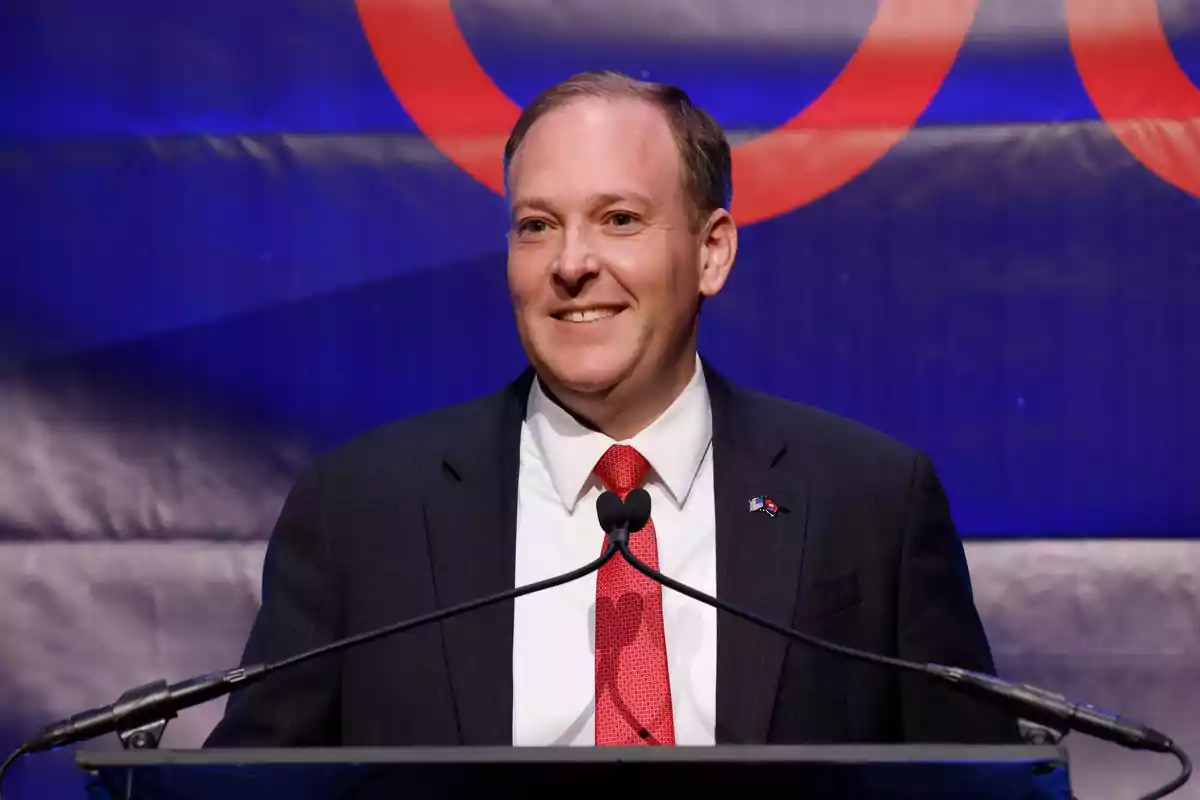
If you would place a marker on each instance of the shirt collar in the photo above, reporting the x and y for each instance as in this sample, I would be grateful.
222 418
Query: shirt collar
674 444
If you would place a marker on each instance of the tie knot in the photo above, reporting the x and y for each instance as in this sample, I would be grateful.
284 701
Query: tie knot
622 469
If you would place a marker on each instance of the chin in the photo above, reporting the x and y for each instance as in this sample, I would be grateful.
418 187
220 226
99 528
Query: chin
592 374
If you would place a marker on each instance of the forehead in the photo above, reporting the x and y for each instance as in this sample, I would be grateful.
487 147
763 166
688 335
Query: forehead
598 145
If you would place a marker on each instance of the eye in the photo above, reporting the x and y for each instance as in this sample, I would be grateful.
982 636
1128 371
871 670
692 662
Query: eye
622 219
532 226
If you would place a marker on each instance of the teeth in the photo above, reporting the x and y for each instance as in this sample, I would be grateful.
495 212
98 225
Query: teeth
589 315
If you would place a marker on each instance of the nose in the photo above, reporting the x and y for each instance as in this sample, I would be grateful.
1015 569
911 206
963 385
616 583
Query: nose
577 261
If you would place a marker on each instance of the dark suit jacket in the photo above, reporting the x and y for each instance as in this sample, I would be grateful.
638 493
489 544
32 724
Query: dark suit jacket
421 514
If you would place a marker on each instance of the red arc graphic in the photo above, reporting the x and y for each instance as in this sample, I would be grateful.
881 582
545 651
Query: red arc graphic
1137 85
874 101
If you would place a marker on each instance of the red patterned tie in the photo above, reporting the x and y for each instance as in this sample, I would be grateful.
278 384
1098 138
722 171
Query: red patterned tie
633 686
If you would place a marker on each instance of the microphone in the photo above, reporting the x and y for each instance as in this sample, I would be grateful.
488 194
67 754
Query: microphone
1030 702
619 519
156 702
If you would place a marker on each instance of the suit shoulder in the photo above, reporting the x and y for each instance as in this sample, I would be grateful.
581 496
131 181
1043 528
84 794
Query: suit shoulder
832 439
408 442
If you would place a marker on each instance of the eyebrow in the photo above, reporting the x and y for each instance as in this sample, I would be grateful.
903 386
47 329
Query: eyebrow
594 202
613 198
535 204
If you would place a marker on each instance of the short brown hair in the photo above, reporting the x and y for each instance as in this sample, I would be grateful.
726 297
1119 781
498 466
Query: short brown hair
703 148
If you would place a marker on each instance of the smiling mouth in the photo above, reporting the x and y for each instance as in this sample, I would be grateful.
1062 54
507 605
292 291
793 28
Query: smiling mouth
587 315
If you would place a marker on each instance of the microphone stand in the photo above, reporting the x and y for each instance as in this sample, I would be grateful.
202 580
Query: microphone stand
620 538
1034 703
140 715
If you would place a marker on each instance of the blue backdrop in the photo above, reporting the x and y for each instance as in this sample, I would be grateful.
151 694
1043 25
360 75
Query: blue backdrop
229 201
221 216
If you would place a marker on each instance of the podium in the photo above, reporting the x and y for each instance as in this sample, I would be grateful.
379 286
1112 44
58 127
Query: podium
862 772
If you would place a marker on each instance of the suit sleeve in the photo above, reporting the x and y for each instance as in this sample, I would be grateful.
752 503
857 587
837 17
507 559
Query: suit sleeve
297 707
937 622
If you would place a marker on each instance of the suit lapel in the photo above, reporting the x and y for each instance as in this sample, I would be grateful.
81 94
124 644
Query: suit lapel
758 559
471 520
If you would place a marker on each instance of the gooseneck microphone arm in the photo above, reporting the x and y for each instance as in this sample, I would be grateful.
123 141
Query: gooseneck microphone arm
638 503
152 705
149 707
159 702
1027 701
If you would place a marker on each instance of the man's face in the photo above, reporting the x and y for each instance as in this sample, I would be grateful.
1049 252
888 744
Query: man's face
605 267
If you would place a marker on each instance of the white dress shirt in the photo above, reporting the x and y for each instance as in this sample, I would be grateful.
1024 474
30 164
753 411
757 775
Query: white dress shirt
554 631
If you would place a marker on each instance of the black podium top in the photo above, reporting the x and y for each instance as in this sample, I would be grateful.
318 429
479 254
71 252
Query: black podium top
858 771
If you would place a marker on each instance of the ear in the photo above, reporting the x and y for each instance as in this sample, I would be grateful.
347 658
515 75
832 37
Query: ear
718 249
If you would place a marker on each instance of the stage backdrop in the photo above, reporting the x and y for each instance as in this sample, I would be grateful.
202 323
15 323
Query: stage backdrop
236 233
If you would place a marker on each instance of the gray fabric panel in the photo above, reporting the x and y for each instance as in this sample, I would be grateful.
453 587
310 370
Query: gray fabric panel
86 457
1113 623
95 619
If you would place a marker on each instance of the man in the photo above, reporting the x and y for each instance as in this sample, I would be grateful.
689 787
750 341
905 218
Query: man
618 192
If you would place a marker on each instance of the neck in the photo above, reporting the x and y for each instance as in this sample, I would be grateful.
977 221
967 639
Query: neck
624 411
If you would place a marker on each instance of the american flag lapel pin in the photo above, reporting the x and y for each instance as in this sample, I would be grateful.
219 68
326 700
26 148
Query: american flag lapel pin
764 503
